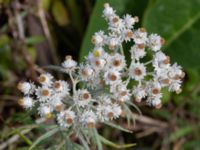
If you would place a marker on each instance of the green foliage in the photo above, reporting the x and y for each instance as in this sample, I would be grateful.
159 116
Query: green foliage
178 22
179 28
113 145
97 22
60 13
34 40
48 134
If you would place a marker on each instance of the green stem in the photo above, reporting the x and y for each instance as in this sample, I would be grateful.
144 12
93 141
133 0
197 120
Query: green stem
24 138
122 50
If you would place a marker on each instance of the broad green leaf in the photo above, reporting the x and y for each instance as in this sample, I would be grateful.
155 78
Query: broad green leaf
111 144
43 137
60 13
178 22
97 22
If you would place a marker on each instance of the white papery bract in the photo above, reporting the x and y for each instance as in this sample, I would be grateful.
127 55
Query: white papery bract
61 88
66 118
27 102
137 51
82 97
26 87
154 42
45 79
112 77
88 119
137 71
101 88
69 63
140 36
117 62
45 110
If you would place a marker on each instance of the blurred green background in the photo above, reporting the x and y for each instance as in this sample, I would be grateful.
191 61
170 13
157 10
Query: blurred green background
34 34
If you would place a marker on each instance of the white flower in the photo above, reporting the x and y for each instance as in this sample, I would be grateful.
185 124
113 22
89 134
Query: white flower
175 72
45 110
112 77
94 81
162 78
155 101
127 35
117 61
108 11
138 51
113 43
69 63
66 118
108 112
117 111
139 92
61 87
26 87
82 97
96 63
154 42
175 86
130 21
43 93
45 79
98 38
100 87
88 119
56 103
140 36
161 61
26 102
137 71
98 52
86 72
115 23
153 88
120 92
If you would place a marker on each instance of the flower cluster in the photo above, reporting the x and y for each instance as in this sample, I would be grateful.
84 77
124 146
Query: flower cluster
105 82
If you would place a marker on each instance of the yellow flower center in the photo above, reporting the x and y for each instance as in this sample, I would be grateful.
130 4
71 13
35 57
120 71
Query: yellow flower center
96 53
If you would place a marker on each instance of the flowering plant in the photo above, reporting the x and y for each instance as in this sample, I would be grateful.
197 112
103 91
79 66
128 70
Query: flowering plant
102 88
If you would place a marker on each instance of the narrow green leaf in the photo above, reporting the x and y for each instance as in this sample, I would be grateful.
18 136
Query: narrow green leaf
84 142
111 144
117 127
43 137
98 141
24 138
135 106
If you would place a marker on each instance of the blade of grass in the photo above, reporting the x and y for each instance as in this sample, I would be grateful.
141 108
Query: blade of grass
111 144
117 127
44 136
24 138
